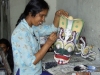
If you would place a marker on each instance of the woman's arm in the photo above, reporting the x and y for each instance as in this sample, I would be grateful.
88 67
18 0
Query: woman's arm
41 53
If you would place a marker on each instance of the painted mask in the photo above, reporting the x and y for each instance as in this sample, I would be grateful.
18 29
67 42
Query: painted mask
68 33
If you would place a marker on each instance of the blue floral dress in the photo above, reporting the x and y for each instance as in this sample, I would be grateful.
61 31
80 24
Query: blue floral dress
25 43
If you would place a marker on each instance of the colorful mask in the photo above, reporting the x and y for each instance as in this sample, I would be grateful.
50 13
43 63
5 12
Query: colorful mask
85 50
69 31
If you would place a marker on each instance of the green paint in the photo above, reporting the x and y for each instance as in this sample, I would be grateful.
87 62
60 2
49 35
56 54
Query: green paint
62 23
76 26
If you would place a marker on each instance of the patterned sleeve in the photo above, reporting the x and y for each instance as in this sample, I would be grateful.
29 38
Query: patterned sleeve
22 48
46 29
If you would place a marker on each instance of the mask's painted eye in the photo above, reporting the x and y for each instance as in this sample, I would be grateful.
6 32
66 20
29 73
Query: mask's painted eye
59 44
69 47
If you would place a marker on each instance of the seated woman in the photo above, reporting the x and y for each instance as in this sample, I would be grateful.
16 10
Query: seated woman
6 46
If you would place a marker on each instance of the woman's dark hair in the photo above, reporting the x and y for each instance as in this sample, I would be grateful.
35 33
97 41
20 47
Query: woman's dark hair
33 7
6 42
9 52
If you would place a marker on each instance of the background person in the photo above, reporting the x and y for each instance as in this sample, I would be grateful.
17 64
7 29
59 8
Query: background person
6 46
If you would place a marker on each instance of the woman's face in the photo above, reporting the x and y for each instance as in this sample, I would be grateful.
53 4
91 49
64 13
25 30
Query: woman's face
4 47
39 18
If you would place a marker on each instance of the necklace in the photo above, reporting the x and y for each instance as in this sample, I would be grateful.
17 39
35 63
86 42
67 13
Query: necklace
35 36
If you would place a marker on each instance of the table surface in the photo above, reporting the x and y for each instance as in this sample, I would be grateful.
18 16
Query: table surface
67 69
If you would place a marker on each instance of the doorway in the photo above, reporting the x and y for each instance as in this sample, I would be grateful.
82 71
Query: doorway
4 19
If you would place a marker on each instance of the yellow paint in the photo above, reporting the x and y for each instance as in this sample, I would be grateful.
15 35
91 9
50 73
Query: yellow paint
63 22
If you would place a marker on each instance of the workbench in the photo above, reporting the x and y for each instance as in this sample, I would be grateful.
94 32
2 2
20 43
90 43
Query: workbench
67 69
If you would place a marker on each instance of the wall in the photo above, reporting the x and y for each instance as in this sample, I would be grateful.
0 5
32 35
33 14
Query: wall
4 19
51 13
88 11
16 8
69 5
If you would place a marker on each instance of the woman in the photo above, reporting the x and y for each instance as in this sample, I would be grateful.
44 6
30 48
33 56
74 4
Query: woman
6 46
25 38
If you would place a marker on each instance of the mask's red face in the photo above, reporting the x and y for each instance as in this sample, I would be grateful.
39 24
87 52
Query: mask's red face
64 46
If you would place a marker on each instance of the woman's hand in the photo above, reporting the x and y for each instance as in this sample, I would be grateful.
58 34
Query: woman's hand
52 38
57 16
60 13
